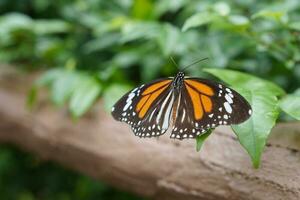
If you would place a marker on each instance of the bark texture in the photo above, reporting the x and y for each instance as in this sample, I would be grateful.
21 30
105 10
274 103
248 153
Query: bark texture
161 168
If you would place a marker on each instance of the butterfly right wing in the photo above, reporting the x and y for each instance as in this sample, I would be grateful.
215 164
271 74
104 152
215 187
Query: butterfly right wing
146 108
204 104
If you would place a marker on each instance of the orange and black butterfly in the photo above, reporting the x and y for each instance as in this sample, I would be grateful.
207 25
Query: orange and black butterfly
196 105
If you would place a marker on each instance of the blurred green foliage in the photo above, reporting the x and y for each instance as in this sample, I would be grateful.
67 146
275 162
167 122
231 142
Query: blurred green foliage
91 48
24 177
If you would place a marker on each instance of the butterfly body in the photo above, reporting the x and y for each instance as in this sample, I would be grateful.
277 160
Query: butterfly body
195 104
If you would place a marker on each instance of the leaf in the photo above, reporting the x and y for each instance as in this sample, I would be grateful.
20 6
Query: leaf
164 6
151 61
113 93
168 39
84 96
137 30
142 9
291 105
279 16
48 77
12 22
253 133
222 8
105 41
246 81
295 26
197 20
201 138
262 95
63 87
238 20
42 27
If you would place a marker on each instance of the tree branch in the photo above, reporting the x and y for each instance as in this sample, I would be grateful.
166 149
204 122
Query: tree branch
161 168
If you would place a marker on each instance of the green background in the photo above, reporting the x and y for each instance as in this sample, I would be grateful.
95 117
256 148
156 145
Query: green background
97 48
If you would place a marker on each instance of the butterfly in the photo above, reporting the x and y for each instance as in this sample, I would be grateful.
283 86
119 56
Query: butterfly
194 105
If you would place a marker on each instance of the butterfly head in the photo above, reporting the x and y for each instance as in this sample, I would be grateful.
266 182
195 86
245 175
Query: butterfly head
178 80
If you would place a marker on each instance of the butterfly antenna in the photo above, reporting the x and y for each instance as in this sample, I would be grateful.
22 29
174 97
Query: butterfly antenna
197 61
173 61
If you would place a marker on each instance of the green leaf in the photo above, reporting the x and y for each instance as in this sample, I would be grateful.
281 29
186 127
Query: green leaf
164 6
151 66
222 8
262 95
168 39
197 20
63 87
101 43
279 16
42 27
291 105
201 138
113 93
48 77
137 31
238 20
244 80
253 133
295 26
142 9
84 96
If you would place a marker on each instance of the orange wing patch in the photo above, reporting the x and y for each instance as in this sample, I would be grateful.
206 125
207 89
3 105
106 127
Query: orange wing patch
156 86
198 110
206 102
146 101
142 102
202 88
200 96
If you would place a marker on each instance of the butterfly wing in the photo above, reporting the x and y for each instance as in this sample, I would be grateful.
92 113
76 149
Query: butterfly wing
204 104
147 108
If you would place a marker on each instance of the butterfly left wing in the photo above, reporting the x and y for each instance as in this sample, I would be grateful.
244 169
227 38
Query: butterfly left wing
147 108
204 104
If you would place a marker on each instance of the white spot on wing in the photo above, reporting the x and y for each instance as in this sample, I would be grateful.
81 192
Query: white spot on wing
228 99
227 107
228 90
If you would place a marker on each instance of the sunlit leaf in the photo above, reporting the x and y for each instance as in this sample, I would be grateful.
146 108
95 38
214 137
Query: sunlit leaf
50 26
136 31
84 96
253 133
48 77
197 20
63 87
238 20
222 8
142 9
291 105
279 16
164 6
295 25
168 39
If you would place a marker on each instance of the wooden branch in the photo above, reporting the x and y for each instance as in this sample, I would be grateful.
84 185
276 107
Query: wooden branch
161 168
